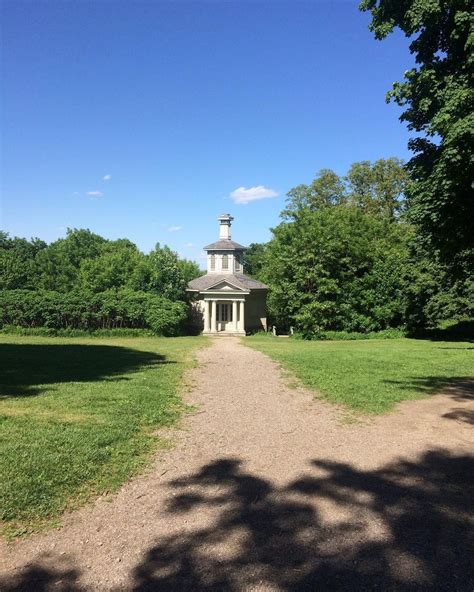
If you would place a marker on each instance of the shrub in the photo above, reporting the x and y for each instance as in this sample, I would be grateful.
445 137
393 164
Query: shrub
85 311
351 336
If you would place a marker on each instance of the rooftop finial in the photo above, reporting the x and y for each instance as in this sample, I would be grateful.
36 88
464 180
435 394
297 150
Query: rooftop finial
225 222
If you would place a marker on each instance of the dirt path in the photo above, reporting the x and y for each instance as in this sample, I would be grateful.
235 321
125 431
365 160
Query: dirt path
266 489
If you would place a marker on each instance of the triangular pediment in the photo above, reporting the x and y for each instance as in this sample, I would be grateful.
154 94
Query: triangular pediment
224 286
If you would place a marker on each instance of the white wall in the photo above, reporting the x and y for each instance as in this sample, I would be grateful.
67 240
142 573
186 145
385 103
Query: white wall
233 262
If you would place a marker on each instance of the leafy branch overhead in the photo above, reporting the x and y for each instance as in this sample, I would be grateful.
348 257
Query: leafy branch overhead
438 99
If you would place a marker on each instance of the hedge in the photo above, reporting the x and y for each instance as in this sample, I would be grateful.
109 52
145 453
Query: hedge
89 311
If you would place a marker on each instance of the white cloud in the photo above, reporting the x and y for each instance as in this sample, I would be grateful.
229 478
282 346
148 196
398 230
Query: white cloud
95 193
189 245
241 195
106 177
174 228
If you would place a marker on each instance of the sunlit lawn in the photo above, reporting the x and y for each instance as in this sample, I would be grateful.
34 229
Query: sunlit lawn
78 416
371 375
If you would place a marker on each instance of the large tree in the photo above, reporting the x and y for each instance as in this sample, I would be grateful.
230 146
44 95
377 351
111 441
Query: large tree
254 259
437 95
327 189
17 262
337 268
376 188
379 187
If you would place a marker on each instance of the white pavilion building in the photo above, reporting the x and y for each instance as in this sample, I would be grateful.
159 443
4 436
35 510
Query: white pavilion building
227 301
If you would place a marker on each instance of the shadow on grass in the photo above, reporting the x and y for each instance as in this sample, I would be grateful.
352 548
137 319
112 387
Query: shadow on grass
460 331
460 388
402 527
25 369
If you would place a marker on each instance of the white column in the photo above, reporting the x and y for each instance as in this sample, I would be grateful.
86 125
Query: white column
207 320
234 315
213 316
242 316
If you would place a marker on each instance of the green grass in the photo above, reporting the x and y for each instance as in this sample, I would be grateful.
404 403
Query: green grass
78 418
371 376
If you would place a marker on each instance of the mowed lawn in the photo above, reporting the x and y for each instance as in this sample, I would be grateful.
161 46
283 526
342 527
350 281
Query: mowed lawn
372 375
78 417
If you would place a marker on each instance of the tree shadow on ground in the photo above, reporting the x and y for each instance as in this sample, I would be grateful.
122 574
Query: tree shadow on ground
402 527
44 578
459 331
460 388
463 415
27 369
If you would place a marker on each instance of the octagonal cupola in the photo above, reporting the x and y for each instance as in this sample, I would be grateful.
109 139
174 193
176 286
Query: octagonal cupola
225 255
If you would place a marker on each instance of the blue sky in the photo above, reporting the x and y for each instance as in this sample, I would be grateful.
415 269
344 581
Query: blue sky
147 120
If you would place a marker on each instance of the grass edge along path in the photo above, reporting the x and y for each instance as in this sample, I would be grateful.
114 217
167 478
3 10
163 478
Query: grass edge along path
79 417
371 376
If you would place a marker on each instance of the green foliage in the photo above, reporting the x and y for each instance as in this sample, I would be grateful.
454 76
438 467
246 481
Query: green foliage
189 269
84 282
337 269
254 259
87 261
58 264
432 294
378 188
92 333
327 189
354 336
17 262
85 310
438 98
346 258
375 188
371 375
164 274
117 265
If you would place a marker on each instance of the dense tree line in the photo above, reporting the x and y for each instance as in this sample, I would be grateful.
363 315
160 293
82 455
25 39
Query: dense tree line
346 257
390 245
86 282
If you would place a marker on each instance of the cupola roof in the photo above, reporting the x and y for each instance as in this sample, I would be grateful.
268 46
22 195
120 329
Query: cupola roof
224 244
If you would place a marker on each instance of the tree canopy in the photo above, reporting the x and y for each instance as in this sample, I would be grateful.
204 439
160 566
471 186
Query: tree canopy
377 188
88 261
337 268
346 257
438 98
84 281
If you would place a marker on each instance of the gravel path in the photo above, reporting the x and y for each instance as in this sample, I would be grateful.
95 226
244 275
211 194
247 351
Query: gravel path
267 488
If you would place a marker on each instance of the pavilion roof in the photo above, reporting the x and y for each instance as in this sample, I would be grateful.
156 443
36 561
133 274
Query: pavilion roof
224 244
240 280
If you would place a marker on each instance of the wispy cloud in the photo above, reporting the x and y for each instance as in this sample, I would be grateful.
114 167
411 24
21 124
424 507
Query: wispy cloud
242 195
106 177
189 245
95 193
175 228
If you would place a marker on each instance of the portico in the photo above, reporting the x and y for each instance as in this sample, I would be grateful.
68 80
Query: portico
227 315
227 301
